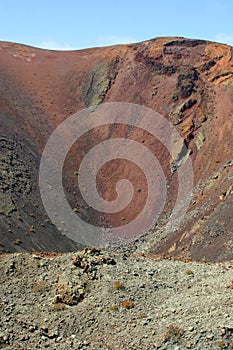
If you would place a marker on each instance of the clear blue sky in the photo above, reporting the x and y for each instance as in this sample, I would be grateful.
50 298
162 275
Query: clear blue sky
74 24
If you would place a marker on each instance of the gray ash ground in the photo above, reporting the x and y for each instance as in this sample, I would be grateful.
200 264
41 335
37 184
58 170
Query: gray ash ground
103 300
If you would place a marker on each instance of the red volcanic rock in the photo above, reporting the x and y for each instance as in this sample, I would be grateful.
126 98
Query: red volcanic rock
189 82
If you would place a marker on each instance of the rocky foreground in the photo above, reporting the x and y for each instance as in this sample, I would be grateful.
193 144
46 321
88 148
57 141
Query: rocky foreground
100 300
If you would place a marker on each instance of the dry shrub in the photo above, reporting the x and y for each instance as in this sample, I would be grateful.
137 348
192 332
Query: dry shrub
58 307
173 334
40 286
118 285
127 304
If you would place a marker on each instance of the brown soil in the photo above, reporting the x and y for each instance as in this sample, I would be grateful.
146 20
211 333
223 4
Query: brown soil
190 82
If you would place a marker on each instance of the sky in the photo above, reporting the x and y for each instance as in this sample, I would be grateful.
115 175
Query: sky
74 24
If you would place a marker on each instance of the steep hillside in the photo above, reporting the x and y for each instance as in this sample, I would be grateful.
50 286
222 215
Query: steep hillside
189 82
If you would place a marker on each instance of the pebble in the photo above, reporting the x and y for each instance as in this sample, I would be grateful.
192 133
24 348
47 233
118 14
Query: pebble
210 336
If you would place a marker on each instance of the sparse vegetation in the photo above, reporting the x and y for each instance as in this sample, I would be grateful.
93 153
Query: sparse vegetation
173 334
165 287
58 307
113 307
141 315
189 273
137 289
118 285
127 304
221 344
40 286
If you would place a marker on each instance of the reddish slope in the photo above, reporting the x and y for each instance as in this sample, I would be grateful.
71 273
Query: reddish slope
187 81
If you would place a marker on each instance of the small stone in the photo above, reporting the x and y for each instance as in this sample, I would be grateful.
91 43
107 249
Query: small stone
37 257
31 329
223 331
210 336
5 338
150 273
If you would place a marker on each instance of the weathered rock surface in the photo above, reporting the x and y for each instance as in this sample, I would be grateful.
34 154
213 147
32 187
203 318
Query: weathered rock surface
114 301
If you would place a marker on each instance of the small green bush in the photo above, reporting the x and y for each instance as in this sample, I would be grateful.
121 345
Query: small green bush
113 307
189 273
